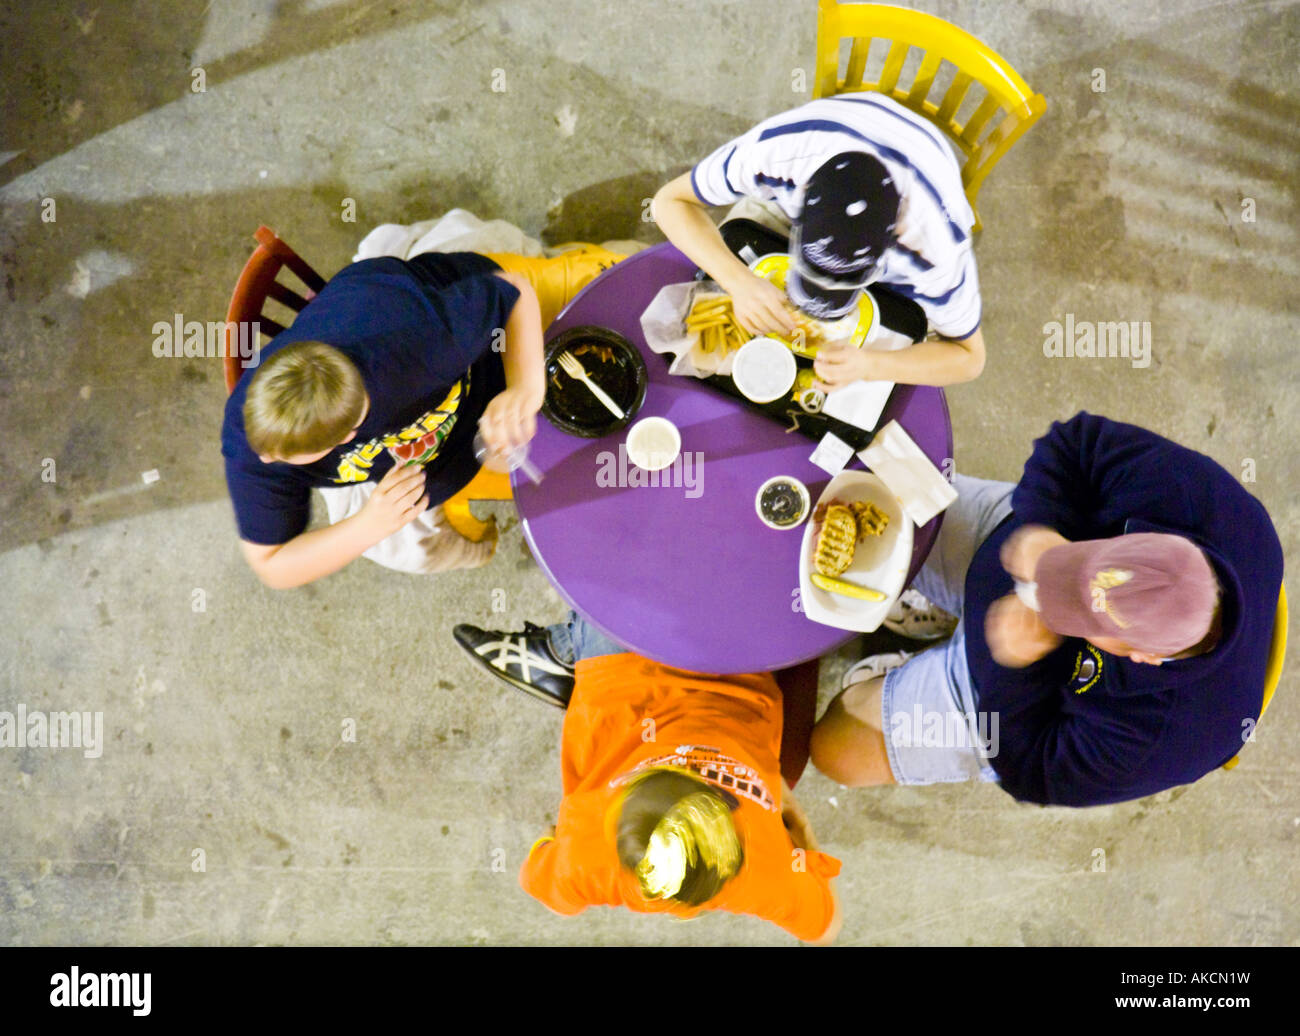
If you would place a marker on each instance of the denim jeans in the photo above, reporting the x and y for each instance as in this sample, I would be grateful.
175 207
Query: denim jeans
576 639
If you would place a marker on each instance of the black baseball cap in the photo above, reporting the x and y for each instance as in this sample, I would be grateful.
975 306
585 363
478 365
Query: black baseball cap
849 215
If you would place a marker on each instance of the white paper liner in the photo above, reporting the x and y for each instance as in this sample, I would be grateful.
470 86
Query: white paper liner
664 325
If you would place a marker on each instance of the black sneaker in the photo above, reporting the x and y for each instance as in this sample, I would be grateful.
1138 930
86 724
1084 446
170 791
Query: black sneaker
523 660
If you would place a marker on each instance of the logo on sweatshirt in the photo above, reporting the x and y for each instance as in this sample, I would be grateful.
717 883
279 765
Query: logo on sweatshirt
1087 669
712 767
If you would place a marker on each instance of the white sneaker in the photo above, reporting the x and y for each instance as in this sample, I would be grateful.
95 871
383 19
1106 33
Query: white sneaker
872 666
914 616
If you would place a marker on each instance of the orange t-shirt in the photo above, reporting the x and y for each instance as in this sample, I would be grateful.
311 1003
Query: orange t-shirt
629 713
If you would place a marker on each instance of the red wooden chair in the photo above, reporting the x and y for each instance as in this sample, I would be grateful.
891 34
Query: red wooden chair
258 283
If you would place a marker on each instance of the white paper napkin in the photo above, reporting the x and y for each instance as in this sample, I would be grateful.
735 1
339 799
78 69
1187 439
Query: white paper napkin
909 473
859 403
832 454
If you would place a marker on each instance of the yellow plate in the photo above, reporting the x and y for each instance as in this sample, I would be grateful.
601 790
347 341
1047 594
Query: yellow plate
774 268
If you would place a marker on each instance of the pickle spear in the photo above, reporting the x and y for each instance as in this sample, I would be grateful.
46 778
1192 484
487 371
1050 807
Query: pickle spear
840 586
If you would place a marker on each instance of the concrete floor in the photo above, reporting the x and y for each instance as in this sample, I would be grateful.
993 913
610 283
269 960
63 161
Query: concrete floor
222 725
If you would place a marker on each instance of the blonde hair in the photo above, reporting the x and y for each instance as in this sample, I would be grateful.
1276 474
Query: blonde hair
305 398
676 834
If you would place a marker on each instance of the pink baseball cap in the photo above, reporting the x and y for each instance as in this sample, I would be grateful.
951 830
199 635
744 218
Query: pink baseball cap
1154 591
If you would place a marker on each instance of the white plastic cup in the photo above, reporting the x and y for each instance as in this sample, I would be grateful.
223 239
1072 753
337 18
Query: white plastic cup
764 370
653 443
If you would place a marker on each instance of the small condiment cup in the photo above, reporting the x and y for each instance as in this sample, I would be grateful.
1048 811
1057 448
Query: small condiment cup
653 443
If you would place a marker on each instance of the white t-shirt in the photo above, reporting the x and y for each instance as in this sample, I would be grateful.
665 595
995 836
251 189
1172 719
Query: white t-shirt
932 261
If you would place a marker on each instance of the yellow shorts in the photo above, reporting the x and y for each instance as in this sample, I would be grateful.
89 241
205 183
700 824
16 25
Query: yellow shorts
557 280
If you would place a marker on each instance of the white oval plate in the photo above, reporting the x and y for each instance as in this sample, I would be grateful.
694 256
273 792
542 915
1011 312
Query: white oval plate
879 562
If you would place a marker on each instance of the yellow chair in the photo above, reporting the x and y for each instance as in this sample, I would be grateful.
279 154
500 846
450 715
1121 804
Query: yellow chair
486 485
982 138
1276 653
556 281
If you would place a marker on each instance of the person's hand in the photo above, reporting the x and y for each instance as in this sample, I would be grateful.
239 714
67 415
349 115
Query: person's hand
796 820
398 499
760 306
839 364
510 420
1021 550
797 826
1016 635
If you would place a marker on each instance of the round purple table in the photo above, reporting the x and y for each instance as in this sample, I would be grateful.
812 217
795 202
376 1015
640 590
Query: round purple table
685 573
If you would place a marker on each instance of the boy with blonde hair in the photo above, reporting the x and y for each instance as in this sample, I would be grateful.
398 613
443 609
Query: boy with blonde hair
693 819
411 356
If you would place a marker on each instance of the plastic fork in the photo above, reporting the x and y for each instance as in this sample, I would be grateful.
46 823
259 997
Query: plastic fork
574 369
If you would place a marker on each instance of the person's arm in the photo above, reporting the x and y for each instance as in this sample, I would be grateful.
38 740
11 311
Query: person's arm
1056 753
837 919
510 418
801 835
759 305
542 877
397 500
953 309
796 820
1089 475
1016 636
946 361
1052 745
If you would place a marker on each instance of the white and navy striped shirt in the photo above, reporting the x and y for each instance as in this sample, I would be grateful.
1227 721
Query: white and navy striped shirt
932 261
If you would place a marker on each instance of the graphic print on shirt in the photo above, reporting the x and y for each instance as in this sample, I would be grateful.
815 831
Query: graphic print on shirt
1087 669
712 767
419 441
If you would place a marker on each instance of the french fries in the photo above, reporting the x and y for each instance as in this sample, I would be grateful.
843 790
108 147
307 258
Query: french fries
811 334
714 322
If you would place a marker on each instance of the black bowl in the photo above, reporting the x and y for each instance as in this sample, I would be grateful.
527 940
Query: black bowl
612 362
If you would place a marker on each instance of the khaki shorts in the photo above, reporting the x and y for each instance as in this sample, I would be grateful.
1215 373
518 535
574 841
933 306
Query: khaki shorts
424 546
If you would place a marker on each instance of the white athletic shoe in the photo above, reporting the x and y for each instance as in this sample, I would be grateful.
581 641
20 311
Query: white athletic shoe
874 665
915 617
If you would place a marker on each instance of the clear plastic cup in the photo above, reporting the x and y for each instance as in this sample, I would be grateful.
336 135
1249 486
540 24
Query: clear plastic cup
515 460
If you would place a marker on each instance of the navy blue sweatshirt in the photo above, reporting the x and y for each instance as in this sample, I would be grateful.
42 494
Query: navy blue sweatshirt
414 328
1081 727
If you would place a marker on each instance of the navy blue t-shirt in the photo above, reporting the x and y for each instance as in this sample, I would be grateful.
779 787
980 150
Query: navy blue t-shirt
421 333
1082 727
